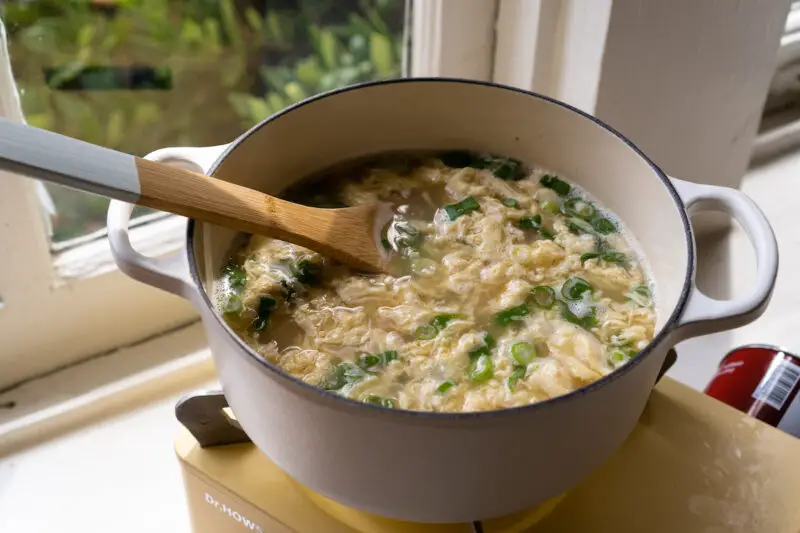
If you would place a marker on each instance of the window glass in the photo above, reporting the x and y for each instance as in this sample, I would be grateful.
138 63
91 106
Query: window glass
137 75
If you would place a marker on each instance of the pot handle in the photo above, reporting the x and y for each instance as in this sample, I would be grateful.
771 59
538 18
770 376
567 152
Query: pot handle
171 272
704 315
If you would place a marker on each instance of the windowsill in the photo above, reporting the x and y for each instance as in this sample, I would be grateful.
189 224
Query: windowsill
94 442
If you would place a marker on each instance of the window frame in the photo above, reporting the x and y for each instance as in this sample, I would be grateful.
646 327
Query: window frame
54 307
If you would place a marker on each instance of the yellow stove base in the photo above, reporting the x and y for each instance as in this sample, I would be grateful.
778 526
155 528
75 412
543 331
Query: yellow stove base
693 465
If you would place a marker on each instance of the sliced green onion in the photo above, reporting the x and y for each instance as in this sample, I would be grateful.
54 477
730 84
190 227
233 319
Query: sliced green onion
510 202
388 403
622 355
233 305
456 159
388 356
344 374
543 296
368 360
614 257
534 222
511 169
307 272
561 187
589 255
523 352
549 207
587 320
386 244
578 207
546 234
440 321
517 374
604 226
266 305
481 369
579 226
445 386
489 340
236 276
467 205
641 295
574 288
426 332
503 318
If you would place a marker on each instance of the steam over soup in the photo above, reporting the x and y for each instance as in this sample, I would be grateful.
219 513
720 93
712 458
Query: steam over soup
510 287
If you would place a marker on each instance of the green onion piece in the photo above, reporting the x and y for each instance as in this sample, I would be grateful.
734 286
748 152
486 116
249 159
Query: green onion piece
440 321
604 226
517 374
444 386
523 352
481 369
511 169
534 222
543 296
480 163
386 244
467 205
510 202
578 207
614 257
388 356
456 159
236 276
503 318
546 234
489 340
574 288
266 305
477 352
579 226
426 332
387 403
368 360
561 187
587 321
618 355
641 295
344 374
307 272
622 354
549 207
233 305
589 255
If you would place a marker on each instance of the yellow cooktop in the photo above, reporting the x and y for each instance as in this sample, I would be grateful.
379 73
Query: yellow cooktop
693 465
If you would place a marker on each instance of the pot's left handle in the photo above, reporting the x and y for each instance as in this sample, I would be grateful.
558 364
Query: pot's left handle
171 272
704 315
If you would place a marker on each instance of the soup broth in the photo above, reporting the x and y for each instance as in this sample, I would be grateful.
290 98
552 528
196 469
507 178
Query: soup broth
509 285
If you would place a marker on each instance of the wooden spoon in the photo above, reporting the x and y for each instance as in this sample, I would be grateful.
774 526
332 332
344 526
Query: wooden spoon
350 235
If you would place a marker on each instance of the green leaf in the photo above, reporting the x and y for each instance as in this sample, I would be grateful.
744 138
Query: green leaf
381 54
253 18
328 48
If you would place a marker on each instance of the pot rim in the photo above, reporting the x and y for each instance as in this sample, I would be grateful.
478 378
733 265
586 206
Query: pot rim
470 415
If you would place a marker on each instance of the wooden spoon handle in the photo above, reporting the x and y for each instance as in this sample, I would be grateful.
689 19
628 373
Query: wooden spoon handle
59 159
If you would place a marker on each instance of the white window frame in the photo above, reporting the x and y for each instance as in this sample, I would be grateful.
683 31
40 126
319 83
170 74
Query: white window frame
588 53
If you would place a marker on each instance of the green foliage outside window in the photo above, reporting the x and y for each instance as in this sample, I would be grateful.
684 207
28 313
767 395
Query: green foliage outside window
230 63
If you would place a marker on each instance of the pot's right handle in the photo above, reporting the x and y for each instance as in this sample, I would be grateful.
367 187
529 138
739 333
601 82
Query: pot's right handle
169 273
704 315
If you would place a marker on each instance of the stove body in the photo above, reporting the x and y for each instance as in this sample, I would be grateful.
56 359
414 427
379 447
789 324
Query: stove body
693 465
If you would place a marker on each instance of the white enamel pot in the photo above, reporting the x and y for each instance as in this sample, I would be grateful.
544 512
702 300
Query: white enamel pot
433 467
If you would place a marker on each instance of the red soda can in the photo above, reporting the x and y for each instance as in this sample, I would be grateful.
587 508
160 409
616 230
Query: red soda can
762 381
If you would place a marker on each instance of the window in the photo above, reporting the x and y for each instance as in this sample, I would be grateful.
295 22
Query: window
779 130
137 76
